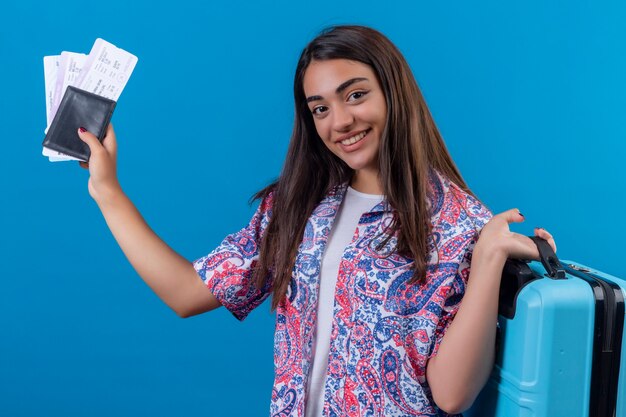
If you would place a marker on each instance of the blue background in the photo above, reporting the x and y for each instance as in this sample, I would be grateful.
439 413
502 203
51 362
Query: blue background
530 97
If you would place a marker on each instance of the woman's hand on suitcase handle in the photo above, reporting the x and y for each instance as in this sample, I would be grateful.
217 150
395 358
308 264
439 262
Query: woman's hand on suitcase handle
103 182
466 354
497 240
543 233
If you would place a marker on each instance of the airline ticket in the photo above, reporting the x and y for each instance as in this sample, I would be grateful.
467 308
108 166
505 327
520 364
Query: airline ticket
105 72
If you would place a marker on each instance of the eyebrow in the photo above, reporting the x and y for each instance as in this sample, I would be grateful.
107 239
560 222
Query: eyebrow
339 89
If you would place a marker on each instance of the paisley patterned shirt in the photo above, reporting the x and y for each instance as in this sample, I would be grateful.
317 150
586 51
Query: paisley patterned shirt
384 330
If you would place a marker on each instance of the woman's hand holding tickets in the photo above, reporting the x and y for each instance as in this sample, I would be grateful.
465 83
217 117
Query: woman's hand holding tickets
103 182
497 239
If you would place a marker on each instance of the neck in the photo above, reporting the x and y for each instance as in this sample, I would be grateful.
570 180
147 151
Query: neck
366 181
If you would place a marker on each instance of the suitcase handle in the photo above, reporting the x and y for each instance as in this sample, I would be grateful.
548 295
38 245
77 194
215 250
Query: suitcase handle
516 274
550 262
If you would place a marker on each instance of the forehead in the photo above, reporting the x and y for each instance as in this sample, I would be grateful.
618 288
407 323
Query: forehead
323 77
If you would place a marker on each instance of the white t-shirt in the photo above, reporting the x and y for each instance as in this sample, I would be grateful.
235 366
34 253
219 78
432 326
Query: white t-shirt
352 208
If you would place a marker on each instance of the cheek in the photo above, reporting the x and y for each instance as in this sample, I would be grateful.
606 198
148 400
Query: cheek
374 114
321 127
378 113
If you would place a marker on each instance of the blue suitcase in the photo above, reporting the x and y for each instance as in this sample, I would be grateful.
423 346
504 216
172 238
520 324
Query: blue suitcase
559 344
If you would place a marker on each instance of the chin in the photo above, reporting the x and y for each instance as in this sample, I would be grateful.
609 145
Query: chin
359 165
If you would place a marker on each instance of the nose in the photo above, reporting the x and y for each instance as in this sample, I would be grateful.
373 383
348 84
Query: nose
342 118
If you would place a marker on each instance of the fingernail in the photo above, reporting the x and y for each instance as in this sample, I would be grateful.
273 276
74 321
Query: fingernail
520 213
539 228
82 129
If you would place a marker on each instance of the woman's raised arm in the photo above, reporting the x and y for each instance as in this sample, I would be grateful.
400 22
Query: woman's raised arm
171 277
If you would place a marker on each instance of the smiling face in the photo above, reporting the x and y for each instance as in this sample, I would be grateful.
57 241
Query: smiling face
350 112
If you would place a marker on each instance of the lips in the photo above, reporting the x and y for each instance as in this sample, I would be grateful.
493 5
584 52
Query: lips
352 138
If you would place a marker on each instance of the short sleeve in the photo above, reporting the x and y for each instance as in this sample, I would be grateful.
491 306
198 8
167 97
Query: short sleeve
228 270
454 296
477 212
474 216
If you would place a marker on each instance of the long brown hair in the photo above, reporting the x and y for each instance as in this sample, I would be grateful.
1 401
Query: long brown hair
410 147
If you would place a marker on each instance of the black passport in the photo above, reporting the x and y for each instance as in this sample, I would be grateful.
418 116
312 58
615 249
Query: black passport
78 108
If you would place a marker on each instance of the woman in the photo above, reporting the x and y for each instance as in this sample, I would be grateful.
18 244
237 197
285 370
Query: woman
365 244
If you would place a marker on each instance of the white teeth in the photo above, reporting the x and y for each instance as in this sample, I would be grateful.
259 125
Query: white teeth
354 139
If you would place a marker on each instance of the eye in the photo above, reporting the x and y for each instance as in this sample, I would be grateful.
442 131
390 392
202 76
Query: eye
319 110
357 95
